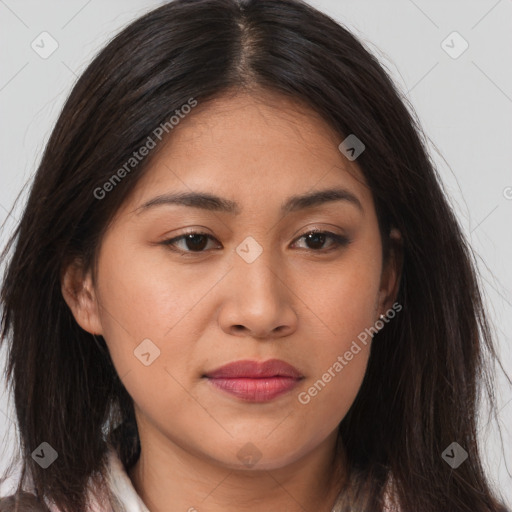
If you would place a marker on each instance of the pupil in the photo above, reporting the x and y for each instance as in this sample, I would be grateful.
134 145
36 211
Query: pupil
193 240
315 237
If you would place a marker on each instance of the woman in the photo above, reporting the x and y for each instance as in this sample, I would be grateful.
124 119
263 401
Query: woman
237 284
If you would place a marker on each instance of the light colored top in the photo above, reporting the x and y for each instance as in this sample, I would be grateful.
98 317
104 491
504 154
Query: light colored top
121 486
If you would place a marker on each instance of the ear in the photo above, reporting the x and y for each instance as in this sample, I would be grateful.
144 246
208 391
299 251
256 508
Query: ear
391 272
79 293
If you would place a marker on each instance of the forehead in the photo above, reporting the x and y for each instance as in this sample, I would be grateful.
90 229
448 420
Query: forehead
253 147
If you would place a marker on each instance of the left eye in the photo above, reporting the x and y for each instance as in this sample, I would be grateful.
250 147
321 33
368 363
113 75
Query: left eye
317 237
196 242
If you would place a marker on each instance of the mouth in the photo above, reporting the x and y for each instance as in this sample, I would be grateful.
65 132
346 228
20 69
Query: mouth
255 381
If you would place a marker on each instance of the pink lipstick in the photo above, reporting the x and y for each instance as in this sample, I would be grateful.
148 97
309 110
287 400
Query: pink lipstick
255 381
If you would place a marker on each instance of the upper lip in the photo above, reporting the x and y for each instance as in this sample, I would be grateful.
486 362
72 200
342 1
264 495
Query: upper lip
255 369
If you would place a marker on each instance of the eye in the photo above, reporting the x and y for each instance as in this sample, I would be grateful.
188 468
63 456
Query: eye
316 238
193 242
196 242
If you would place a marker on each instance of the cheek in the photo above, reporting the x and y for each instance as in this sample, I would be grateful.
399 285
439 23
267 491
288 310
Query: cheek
141 306
142 293
140 302
338 361
345 297
346 305
331 390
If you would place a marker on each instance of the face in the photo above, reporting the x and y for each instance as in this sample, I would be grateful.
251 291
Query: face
253 283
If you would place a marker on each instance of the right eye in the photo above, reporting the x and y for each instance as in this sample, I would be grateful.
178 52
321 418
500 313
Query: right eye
193 242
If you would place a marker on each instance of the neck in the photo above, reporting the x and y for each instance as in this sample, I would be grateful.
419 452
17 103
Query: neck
170 479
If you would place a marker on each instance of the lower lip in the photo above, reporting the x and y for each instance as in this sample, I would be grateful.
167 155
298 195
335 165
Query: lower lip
256 390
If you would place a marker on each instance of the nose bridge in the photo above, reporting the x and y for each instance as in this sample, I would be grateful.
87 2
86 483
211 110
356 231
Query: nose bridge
256 266
256 298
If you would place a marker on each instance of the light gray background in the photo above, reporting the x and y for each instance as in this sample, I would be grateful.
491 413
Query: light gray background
464 105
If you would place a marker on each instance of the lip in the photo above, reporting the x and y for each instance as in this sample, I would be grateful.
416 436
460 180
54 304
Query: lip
255 381
250 369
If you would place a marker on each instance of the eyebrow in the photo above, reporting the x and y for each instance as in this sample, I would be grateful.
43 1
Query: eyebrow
207 201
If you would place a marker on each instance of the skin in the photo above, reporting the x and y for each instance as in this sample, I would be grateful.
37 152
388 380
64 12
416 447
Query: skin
203 310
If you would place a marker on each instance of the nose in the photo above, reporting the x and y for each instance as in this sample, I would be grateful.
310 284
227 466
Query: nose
258 300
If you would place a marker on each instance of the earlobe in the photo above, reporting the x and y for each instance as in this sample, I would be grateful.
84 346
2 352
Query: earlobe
78 292
391 272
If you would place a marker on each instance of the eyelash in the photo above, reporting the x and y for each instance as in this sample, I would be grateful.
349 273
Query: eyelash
339 241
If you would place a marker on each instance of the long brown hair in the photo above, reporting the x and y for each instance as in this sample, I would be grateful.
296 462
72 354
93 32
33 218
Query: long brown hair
427 367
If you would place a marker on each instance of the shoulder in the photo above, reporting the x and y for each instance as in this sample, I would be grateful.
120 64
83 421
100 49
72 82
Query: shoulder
22 502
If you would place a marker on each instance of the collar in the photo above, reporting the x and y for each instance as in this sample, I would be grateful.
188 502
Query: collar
119 484
122 486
